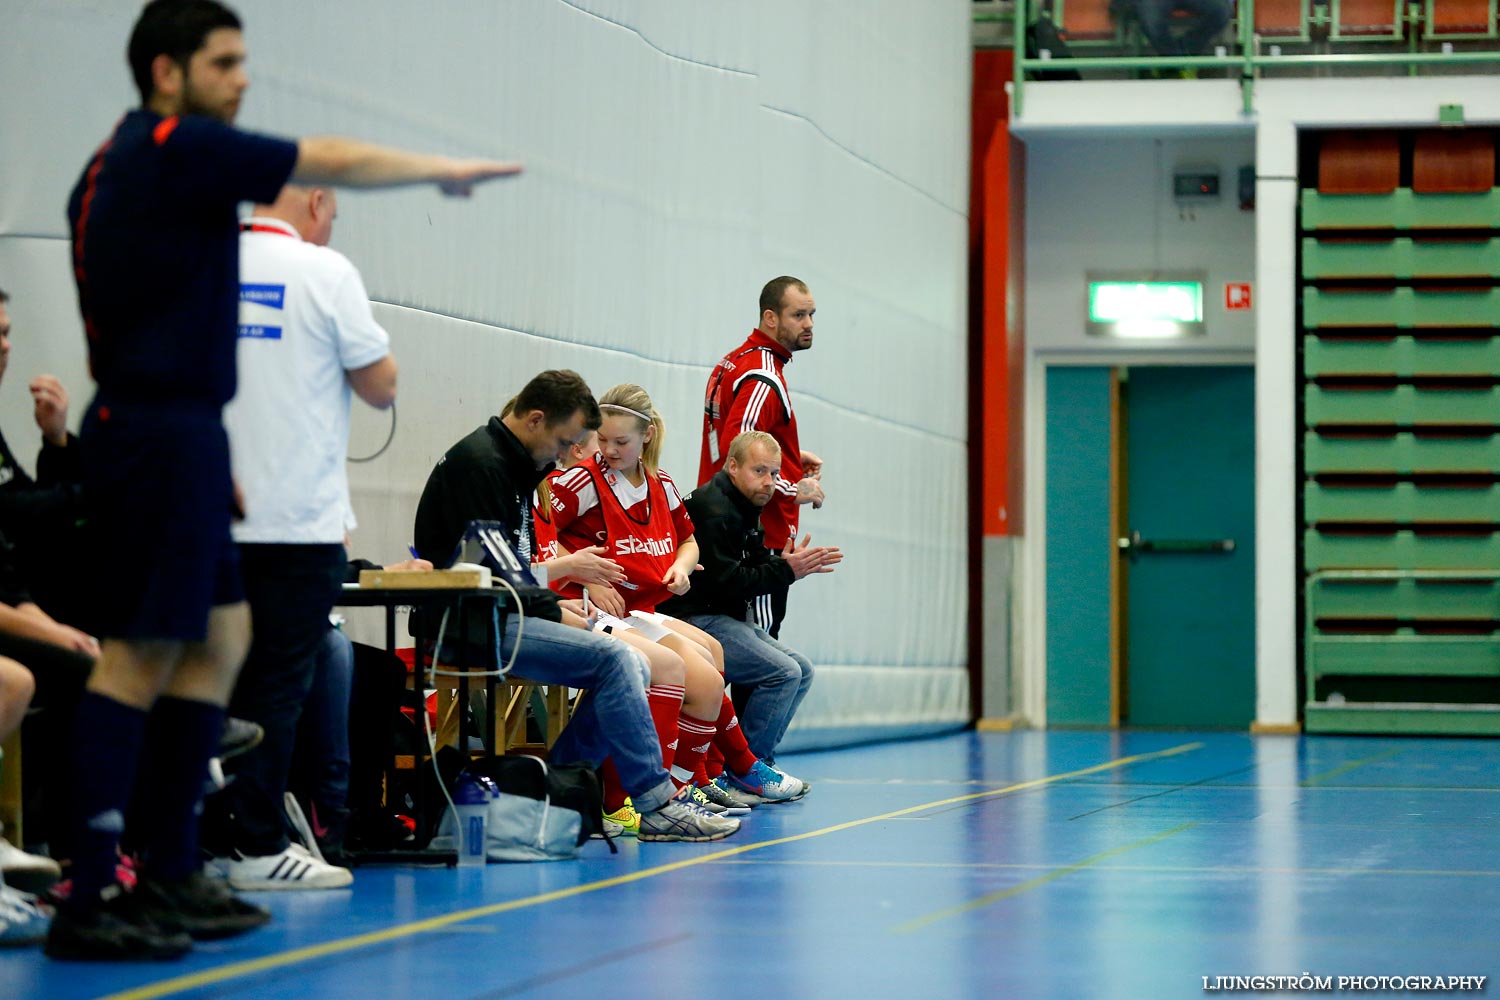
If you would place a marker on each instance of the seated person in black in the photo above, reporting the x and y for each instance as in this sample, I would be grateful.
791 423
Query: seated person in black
43 517
59 658
1180 27
770 678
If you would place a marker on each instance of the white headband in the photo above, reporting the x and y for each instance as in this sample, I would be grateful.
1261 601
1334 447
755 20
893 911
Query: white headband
626 409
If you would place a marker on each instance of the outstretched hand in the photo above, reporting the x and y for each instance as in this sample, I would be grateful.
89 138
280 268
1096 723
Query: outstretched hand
805 560
460 176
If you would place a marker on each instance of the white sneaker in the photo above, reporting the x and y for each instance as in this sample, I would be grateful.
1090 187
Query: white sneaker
767 782
28 872
293 868
680 818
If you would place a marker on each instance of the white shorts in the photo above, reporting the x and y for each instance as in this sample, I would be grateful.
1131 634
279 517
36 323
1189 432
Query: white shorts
648 623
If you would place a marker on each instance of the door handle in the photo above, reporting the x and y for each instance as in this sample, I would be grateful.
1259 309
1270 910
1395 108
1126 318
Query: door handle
1134 543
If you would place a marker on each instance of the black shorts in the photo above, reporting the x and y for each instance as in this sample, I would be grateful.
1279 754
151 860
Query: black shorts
159 497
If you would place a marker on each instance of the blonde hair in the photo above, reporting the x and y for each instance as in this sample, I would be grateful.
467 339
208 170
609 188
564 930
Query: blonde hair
634 402
739 448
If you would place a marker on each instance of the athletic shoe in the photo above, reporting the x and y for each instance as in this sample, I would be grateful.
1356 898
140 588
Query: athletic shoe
378 830
626 818
733 804
23 921
771 762
322 833
203 907
731 793
113 929
293 868
767 782
704 802
27 872
238 736
611 830
681 819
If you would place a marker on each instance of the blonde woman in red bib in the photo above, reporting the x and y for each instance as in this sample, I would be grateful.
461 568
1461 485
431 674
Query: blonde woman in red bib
622 500
590 568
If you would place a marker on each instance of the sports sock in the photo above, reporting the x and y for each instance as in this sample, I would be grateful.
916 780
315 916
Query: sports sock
614 792
665 702
697 736
731 741
182 735
107 739
713 764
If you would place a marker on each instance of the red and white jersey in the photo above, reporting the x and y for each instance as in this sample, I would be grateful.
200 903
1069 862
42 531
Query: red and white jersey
641 526
747 392
543 531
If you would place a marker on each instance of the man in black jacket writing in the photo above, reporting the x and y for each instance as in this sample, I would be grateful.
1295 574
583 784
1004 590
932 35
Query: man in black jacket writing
737 568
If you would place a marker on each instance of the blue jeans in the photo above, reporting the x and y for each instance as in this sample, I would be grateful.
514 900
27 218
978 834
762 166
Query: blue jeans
613 719
322 755
778 677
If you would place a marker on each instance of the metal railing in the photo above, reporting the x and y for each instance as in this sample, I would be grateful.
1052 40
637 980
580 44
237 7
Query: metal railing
1249 62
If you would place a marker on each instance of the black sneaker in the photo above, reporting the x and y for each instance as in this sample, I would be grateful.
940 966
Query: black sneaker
112 930
330 828
202 907
238 736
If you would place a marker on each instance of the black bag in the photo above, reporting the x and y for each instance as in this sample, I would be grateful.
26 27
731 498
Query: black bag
1043 34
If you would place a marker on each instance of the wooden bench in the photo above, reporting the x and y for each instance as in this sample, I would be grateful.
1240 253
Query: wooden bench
515 698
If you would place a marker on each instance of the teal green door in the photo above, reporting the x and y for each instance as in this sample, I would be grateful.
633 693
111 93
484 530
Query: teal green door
1189 642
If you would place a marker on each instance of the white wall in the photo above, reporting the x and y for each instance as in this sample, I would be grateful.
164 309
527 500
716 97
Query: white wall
678 155
1106 204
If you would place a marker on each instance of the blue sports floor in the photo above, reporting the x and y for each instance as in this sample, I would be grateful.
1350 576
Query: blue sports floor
1029 864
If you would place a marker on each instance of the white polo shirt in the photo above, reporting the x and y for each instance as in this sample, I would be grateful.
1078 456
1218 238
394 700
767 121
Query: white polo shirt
304 321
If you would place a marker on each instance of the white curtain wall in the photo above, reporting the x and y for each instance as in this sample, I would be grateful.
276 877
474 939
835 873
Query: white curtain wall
678 155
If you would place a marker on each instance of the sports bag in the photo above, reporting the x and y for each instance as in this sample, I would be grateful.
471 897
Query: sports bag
544 812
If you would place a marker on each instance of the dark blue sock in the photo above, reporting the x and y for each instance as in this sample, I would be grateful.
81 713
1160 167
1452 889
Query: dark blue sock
107 739
182 736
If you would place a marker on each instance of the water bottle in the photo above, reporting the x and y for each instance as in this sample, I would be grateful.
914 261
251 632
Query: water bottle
471 801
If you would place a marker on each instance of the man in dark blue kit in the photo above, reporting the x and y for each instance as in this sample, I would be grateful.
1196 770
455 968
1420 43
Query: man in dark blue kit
156 261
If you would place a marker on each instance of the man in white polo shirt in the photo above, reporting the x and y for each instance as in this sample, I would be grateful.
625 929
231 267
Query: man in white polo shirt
308 342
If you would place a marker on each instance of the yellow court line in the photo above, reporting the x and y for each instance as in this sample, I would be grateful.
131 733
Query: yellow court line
1336 772
1140 869
1041 880
235 970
